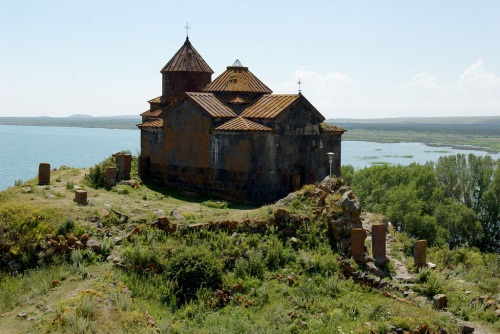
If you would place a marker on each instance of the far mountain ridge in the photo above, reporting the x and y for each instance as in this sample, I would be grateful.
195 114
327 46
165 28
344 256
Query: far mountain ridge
422 120
90 116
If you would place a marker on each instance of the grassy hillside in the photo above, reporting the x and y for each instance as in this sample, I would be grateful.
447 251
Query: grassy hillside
113 266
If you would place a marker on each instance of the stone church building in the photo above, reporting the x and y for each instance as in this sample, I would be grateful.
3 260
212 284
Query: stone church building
232 138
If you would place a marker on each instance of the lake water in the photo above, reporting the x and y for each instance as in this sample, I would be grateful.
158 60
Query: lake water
22 148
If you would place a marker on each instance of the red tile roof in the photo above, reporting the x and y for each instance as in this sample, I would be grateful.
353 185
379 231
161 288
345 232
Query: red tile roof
157 123
187 59
211 104
149 113
155 100
269 106
242 124
331 128
237 79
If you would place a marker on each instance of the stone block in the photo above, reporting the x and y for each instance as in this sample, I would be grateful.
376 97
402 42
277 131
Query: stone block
378 243
44 173
163 221
124 164
465 329
420 253
81 197
111 176
358 236
440 301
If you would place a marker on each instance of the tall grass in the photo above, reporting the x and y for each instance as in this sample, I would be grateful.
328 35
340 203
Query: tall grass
21 288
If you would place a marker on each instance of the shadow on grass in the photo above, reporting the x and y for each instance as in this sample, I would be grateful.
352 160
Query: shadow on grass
177 194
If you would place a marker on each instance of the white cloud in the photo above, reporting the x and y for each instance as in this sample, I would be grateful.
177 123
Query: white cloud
478 87
325 92
474 92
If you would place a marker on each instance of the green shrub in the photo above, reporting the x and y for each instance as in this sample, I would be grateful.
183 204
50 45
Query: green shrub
256 264
139 256
432 283
241 267
97 175
216 204
123 190
192 269
66 227
296 203
274 256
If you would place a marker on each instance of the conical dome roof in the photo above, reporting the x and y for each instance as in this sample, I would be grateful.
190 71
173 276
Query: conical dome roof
187 59
237 78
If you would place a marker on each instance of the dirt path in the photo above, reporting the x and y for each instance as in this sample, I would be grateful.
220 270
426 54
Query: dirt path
401 271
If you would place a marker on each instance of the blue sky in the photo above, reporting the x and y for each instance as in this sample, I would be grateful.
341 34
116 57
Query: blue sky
356 59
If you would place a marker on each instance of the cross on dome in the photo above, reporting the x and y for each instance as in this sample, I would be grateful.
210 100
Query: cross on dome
187 27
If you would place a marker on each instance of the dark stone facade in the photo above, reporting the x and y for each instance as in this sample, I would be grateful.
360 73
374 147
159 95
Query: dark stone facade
184 147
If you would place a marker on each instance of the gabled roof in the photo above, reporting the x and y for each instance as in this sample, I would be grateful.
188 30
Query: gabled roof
242 124
211 104
187 59
157 123
237 79
269 106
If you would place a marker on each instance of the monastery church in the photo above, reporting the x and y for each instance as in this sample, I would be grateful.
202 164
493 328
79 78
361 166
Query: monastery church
231 138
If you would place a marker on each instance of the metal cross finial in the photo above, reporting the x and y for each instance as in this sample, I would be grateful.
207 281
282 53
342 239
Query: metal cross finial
187 27
299 82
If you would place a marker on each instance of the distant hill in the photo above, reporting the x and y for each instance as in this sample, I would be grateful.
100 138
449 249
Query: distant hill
80 121
490 120
90 116
80 116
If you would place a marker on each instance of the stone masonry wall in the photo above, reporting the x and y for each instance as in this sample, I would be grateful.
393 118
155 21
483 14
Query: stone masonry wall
248 166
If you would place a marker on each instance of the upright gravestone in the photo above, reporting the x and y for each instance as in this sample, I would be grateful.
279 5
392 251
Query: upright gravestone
81 197
420 253
378 243
124 164
44 173
358 236
110 176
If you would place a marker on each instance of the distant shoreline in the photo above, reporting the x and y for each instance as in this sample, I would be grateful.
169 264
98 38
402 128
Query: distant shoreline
478 133
123 123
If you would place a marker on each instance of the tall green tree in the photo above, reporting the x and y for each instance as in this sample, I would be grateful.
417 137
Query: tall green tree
473 181
489 214
461 223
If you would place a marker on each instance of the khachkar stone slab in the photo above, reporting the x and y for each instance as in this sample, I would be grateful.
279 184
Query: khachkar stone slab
124 164
111 176
358 236
44 173
420 253
378 243
81 197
